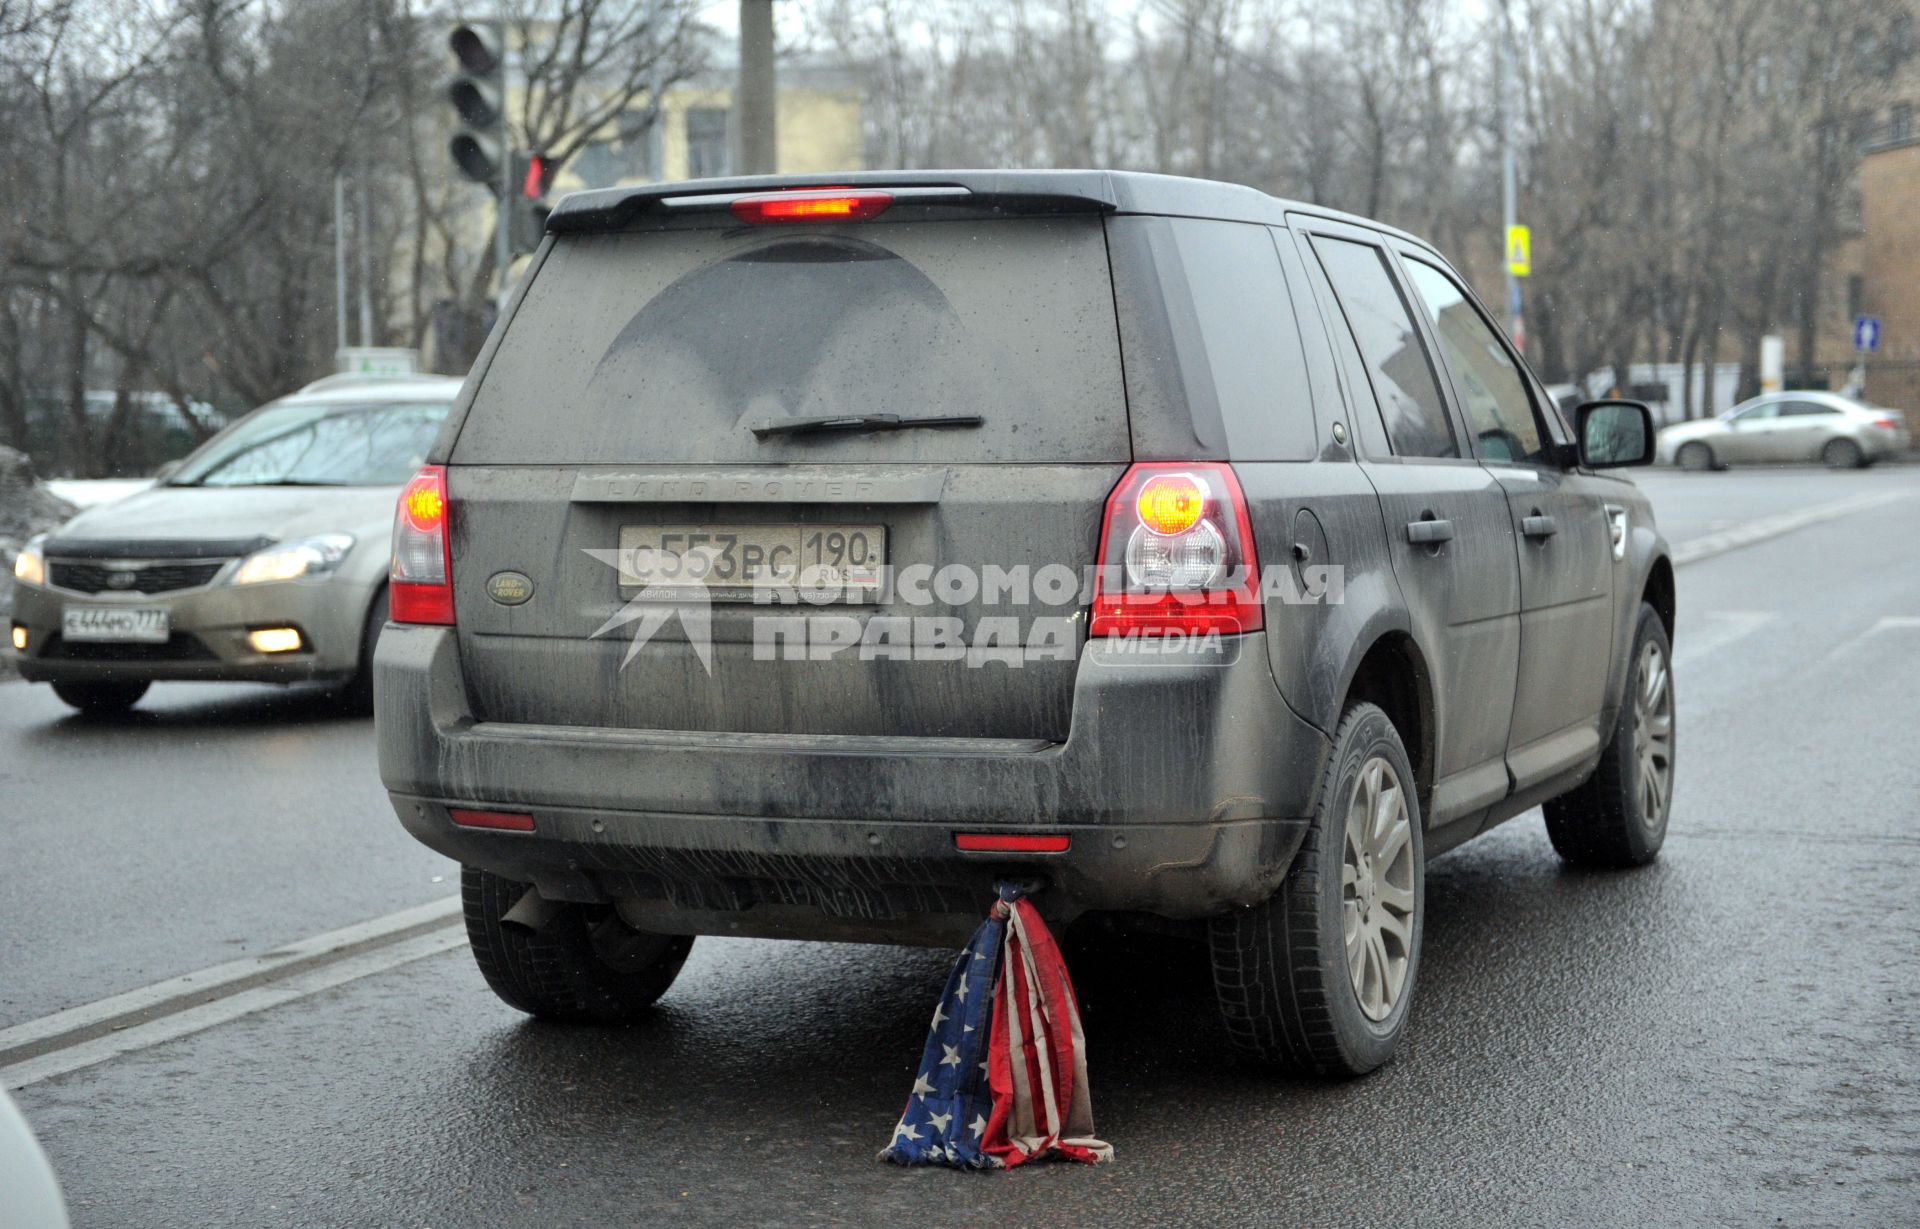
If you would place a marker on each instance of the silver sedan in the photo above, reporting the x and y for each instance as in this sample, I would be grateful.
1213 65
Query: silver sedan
1780 428
263 557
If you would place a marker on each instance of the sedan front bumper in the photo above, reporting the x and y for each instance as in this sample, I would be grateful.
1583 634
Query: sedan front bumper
208 633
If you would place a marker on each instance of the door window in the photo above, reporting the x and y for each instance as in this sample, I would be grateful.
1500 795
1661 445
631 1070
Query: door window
1390 348
1499 412
1804 409
1757 413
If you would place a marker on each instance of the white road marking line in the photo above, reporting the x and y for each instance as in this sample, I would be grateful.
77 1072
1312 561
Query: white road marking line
89 1015
231 1007
1708 545
1722 628
1886 623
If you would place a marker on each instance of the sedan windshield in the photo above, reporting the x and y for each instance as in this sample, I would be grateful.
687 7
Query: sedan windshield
297 444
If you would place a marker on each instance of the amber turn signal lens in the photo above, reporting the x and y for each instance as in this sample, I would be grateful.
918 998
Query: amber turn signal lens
1171 503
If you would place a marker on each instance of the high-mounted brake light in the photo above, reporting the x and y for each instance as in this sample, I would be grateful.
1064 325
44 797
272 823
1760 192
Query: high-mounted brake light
1176 554
420 579
812 205
1009 842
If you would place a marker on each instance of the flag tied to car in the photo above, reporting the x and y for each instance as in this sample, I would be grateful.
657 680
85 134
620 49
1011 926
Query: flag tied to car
1003 1078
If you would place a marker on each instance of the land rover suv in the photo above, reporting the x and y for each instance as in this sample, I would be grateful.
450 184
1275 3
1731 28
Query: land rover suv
801 561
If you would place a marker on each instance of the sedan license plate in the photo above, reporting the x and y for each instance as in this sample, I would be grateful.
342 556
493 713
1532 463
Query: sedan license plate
115 624
840 563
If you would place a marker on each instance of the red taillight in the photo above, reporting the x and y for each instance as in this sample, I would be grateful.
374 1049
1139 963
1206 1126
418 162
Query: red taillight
504 821
996 842
1886 424
812 205
1176 554
420 579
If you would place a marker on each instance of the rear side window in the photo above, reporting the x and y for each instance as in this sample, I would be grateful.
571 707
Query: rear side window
1390 347
671 346
1213 356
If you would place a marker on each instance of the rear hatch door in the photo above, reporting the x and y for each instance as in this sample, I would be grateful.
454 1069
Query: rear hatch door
638 424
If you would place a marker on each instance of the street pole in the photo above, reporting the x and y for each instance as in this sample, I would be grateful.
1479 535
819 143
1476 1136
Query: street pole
756 95
1516 327
339 262
363 233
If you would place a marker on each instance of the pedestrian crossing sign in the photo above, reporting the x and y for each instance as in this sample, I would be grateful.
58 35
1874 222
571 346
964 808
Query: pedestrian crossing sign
1519 251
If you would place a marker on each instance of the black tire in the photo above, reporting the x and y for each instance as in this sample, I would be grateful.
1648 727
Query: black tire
356 694
1696 457
1843 454
104 697
1609 822
1281 969
584 966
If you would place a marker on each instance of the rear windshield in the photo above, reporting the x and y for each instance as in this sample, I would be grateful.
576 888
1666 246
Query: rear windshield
672 346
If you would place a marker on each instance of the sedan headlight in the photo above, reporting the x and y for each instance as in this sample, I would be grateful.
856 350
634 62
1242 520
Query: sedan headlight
294 560
30 565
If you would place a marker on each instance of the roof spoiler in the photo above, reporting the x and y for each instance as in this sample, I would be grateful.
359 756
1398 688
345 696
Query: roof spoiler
943 193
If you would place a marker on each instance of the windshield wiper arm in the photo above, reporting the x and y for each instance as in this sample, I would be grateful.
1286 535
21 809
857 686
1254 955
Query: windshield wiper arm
861 422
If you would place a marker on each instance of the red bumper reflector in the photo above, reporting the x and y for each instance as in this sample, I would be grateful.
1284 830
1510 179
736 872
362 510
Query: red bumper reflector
993 842
509 821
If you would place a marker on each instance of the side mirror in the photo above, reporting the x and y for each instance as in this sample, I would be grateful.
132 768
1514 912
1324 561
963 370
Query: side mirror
166 471
1614 433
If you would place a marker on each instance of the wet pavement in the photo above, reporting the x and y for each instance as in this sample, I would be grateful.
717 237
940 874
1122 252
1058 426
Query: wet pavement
1728 1037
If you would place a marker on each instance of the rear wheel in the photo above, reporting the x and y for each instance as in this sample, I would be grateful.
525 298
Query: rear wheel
1695 456
1618 817
1320 977
102 697
1843 454
584 965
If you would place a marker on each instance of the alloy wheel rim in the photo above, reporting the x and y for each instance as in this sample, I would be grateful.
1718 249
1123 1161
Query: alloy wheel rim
1653 736
1376 888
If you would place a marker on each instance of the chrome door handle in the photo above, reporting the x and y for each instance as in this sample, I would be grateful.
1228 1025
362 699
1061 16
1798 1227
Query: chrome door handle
1537 526
1429 532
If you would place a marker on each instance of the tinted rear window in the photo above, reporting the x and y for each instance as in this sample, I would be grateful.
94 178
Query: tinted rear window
670 346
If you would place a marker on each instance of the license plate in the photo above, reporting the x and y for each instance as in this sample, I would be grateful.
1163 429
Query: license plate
122 624
730 563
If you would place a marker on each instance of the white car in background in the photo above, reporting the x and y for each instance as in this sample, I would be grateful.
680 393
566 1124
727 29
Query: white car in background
1784 428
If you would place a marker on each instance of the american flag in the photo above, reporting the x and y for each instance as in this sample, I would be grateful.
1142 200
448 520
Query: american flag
1003 1078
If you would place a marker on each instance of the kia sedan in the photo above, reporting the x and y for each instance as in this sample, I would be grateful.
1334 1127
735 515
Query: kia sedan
263 557
1783 428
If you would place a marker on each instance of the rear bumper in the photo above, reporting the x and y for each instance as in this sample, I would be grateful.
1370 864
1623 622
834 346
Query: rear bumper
1182 789
209 627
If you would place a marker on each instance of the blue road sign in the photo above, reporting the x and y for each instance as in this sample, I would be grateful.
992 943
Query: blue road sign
1866 333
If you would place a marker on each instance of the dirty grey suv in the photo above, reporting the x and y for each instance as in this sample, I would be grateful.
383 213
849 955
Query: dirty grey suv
799 562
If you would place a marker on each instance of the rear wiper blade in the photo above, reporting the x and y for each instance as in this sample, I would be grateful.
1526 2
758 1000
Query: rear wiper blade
862 422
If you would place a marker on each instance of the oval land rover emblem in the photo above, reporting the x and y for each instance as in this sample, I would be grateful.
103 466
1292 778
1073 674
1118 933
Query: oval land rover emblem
509 588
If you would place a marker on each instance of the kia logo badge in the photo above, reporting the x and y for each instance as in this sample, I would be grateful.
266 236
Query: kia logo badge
121 580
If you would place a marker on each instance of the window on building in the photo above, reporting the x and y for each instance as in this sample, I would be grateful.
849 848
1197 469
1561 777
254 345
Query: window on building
707 150
1900 121
1390 346
1901 36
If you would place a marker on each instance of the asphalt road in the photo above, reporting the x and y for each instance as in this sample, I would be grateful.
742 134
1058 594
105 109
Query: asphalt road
1728 1037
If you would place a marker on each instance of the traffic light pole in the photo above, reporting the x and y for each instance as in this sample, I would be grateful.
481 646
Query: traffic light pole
503 216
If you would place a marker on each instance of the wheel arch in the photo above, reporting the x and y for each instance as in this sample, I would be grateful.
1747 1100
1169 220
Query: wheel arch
1392 673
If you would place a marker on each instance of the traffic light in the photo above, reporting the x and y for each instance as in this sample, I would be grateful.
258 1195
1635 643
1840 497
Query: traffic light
532 176
479 99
